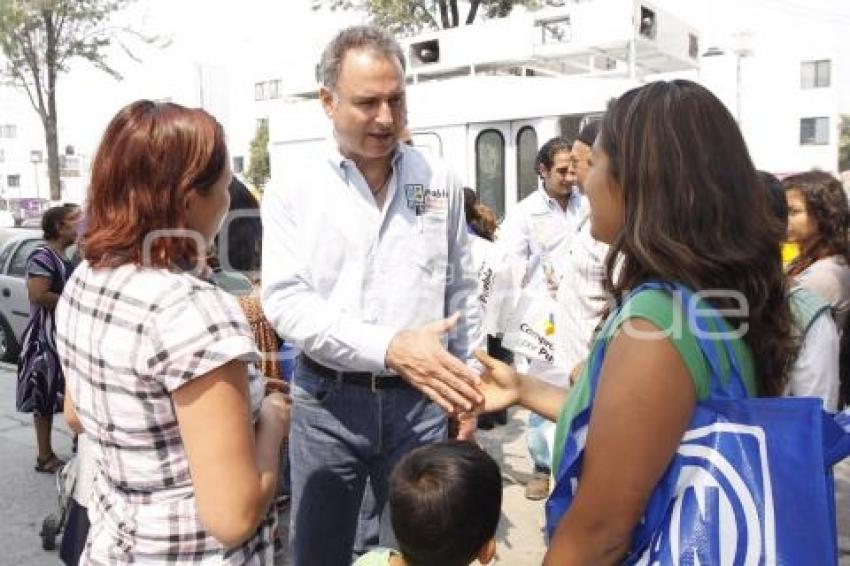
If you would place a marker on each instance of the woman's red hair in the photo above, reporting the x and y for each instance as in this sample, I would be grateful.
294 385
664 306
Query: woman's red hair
151 156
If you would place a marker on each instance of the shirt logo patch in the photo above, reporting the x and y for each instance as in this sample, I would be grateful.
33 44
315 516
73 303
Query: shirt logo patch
415 195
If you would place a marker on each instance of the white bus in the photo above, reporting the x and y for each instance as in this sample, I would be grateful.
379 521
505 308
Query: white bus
485 97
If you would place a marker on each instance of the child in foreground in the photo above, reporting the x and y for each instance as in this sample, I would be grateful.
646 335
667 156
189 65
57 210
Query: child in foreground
445 502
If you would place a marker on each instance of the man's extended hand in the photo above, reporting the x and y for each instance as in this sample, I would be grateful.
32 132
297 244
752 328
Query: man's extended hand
419 357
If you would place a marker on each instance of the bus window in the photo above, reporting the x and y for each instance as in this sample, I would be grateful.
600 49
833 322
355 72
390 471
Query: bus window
570 125
428 142
490 170
526 154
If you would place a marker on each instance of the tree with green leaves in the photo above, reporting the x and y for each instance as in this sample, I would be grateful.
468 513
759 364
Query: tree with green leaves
412 16
259 166
844 144
39 39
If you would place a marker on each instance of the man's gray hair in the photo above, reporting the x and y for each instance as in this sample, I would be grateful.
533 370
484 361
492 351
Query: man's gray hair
356 37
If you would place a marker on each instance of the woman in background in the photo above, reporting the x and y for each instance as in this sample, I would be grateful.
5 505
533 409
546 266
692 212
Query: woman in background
817 222
40 380
494 286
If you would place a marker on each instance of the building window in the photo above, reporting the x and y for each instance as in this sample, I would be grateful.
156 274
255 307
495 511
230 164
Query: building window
8 131
814 131
13 181
490 170
693 46
274 89
815 74
238 164
260 91
526 155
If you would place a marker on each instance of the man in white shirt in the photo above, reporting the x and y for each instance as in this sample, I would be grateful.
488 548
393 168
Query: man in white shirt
365 254
582 291
539 232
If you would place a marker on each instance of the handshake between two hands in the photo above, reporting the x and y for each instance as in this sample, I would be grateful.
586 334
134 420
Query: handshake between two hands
419 357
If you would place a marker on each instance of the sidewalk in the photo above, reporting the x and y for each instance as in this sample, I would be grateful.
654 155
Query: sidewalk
520 539
28 496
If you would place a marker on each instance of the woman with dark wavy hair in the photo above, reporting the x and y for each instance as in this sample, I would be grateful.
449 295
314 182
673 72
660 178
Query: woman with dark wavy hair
817 222
156 358
672 189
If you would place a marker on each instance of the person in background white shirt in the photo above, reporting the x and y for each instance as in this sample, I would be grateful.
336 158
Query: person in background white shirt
582 290
498 283
365 259
539 231
815 371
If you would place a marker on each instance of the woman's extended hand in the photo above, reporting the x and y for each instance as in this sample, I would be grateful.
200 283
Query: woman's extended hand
276 409
500 383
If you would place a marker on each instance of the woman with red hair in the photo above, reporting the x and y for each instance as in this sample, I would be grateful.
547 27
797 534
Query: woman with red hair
157 359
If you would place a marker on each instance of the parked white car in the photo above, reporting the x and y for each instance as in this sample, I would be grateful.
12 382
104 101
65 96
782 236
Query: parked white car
16 245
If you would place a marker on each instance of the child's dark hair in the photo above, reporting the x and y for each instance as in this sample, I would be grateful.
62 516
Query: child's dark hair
445 502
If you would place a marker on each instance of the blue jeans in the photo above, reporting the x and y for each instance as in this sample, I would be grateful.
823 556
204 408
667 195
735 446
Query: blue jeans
538 445
340 435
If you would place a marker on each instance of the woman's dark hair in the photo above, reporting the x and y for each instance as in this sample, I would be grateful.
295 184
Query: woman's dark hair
445 503
696 212
241 236
588 133
826 205
151 155
776 196
479 217
52 219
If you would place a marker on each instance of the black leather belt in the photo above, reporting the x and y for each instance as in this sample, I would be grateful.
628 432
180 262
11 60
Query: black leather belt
372 381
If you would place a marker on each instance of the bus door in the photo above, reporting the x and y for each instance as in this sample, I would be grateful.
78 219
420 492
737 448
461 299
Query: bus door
501 163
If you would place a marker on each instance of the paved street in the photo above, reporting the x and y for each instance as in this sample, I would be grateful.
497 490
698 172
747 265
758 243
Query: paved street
28 496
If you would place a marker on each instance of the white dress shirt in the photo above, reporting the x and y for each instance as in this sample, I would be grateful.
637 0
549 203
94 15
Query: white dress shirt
341 277
582 294
498 284
539 231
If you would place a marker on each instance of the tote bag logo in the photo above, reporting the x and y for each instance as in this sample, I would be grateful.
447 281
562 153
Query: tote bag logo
722 511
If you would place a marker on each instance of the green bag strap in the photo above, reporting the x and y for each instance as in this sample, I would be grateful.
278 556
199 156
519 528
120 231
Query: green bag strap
806 306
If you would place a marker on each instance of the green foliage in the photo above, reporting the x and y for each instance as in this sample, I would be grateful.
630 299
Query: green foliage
406 17
38 40
844 144
259 167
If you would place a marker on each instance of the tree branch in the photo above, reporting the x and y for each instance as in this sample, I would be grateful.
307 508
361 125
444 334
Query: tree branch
444 13
427 13
31 58
473 11
25 84
455 15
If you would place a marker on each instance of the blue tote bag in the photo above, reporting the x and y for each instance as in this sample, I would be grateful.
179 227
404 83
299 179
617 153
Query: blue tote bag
751 482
